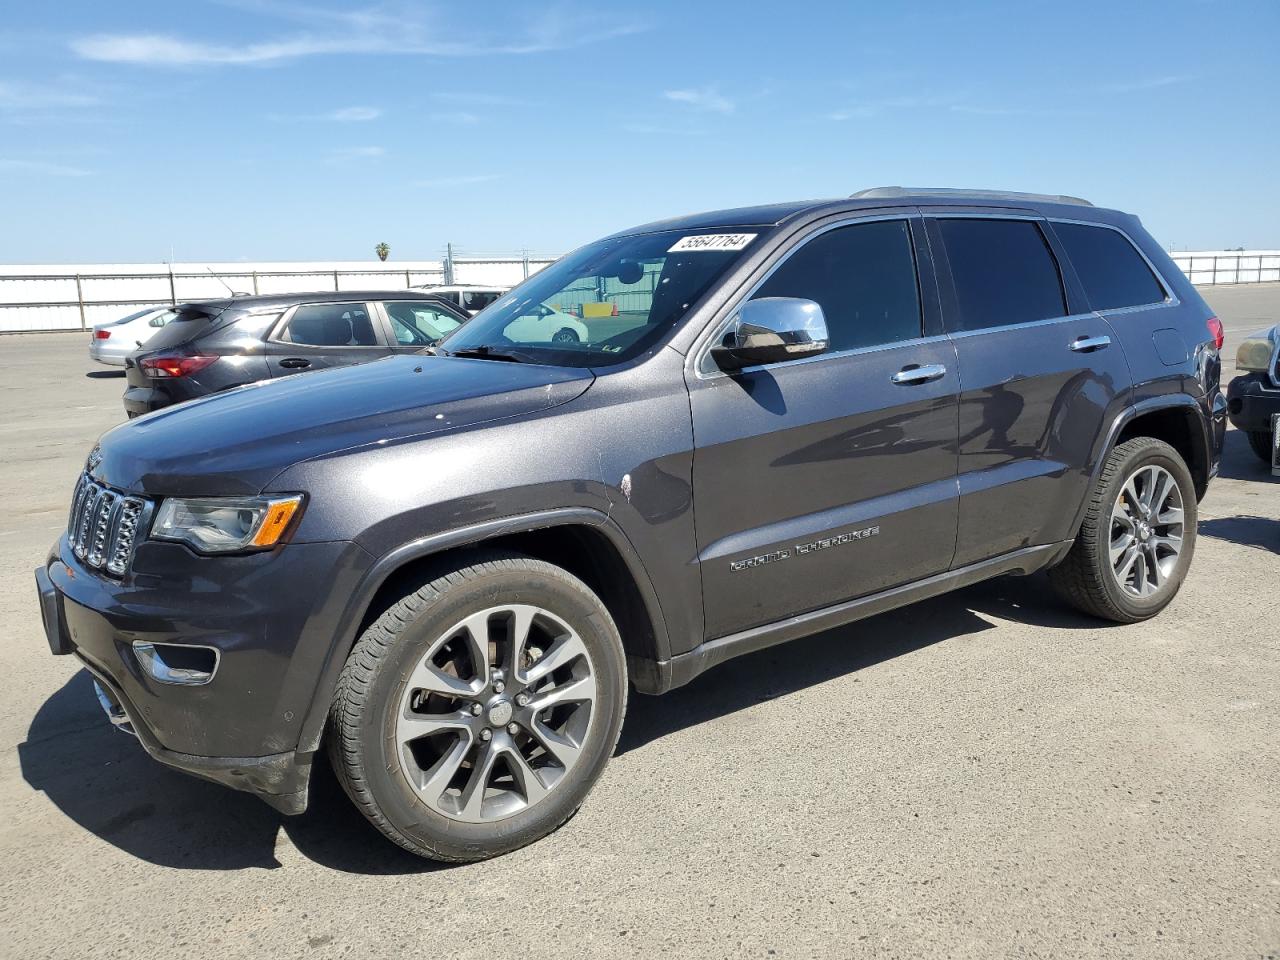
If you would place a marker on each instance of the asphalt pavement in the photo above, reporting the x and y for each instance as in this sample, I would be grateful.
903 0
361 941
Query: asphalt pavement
986 774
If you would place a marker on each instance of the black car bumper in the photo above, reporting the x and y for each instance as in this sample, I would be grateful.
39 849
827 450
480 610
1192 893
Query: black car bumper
1252 400
241 727
140 400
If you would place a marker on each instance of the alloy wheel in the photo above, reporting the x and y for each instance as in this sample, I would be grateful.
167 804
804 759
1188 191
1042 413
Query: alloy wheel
1146 531
496 713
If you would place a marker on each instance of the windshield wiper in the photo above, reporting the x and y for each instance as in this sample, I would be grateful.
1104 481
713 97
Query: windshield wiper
486 352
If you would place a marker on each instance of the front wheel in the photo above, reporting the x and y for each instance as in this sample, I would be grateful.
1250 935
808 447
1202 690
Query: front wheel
1260 441
474 716
1137 538
565 335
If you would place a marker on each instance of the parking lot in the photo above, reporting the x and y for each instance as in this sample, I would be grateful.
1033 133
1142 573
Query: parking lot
984 774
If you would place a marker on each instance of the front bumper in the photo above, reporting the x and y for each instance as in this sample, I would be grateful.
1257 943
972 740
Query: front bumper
1252 401
271 617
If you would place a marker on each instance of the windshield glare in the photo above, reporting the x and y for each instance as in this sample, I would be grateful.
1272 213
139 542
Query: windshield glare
605 303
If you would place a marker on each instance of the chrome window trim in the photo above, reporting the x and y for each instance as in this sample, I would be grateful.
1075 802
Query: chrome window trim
1170 297
701 353
1050 321
287 317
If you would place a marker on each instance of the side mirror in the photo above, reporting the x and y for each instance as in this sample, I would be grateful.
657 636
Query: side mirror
770 330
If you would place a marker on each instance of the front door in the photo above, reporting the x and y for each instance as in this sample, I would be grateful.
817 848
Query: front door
829 478
1040 376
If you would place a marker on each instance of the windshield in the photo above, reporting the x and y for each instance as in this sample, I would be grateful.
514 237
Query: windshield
602 304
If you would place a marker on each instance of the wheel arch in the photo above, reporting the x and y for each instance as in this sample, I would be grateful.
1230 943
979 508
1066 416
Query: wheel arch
1177 420
583 541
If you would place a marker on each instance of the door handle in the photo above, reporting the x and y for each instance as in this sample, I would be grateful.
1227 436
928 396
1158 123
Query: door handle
295 363
1089 344
919 374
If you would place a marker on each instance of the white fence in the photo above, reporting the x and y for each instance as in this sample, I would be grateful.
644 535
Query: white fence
59 297
1229 266
62 297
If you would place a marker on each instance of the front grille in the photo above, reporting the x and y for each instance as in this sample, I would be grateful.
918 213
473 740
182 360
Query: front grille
104 525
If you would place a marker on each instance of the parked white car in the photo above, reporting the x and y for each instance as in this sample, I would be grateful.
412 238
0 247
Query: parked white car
114 341
546 325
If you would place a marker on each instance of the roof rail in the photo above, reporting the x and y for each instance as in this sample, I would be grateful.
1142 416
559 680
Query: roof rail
895 193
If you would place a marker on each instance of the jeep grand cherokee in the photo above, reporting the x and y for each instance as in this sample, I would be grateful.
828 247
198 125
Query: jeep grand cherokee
449 568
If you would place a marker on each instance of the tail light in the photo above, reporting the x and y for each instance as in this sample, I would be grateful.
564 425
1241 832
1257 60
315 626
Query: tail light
1215 328
102 334
160 368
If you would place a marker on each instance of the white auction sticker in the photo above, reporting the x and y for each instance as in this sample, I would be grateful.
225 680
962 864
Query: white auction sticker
712 241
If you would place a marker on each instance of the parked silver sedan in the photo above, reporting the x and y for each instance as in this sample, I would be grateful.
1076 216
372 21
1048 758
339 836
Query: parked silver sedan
112 342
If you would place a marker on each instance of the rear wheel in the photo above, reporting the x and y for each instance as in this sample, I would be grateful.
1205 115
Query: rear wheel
1137 538
1260 441
474 716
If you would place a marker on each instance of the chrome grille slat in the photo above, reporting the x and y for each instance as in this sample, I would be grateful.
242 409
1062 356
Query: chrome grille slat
103 525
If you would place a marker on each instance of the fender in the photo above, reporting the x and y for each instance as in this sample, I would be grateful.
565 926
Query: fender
1129 414
345 636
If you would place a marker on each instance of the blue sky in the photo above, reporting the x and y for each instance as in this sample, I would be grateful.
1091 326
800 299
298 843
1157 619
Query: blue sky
272 129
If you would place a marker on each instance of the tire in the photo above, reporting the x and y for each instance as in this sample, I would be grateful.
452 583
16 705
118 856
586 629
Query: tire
565 335
389 691
1089 579
1260 441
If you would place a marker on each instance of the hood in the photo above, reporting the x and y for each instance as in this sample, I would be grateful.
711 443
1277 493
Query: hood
236 442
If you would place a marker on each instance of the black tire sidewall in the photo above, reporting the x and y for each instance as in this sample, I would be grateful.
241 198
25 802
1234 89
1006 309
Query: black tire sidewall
1148 454
398 802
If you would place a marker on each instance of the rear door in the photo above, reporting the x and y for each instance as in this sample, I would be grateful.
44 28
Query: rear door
313 336
1040 375
828 478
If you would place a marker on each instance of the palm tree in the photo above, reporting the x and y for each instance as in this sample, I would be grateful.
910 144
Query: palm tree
383 251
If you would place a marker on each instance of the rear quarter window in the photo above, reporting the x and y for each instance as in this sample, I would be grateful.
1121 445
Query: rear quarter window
1113 273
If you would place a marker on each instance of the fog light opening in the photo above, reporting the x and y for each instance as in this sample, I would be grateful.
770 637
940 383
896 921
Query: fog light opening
175 663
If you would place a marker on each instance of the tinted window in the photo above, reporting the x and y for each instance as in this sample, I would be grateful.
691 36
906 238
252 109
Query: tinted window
864 278
1003 273
1113 273
475 300
190 322
414 322
331 325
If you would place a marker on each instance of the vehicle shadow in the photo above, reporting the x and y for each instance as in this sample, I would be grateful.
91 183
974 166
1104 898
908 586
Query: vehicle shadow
807 662
1262 533
105 374
1239 462
103 780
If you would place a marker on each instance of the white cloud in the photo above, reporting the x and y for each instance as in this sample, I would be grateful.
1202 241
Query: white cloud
458 181
343 154
477 98
373 30
349 114
705 98
462 118
1149 83
873 108
42 168
15 96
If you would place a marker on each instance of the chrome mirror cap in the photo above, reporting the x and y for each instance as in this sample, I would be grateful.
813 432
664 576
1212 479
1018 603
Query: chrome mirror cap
771 330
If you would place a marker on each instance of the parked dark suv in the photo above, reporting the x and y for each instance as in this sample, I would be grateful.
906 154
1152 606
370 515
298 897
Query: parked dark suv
449 569
215 345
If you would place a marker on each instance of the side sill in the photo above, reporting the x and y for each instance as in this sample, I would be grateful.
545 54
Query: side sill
659 677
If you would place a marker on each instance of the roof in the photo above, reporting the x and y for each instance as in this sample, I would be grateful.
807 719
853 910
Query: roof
771 215
278 299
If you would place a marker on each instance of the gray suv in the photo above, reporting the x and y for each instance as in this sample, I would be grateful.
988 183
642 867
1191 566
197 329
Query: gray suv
449 568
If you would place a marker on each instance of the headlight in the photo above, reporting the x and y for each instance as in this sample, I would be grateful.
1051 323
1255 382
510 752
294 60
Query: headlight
226 524
1254 354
